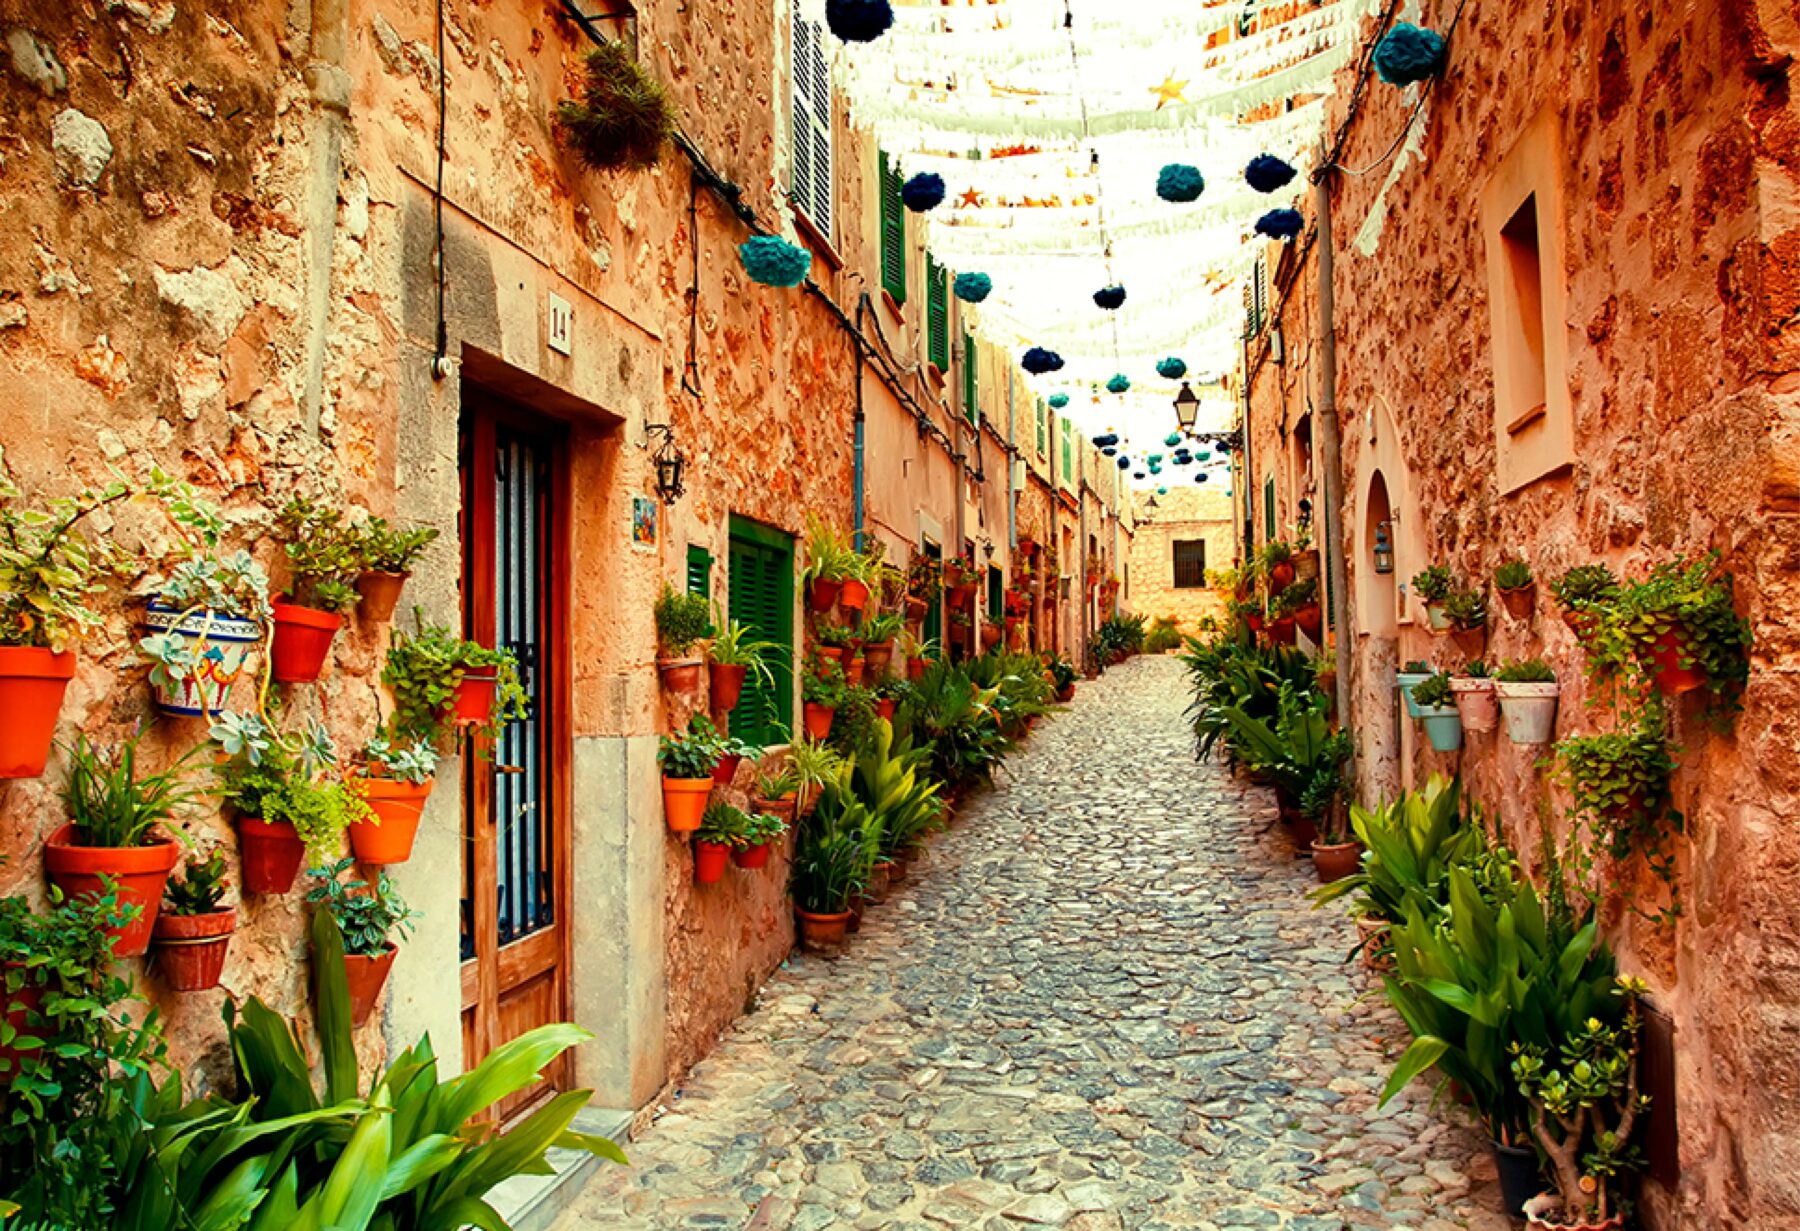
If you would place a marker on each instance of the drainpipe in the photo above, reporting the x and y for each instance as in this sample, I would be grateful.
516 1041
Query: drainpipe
1330 447
859 476
329 85
1247 532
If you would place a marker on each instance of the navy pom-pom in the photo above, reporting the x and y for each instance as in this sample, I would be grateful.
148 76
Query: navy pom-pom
1111 450
1110 297
1106 439
1201 477
1171 368
1058 401
1280 224
773 261
1267 173
1118 384
859 21
973 288
1124 463
1137 474
924 191
1038 361
1409 53
1180 183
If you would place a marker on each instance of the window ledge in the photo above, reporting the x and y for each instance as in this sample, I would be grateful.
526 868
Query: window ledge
815 239
895 307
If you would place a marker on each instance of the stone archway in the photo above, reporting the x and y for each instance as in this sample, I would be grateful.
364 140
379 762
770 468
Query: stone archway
1383 498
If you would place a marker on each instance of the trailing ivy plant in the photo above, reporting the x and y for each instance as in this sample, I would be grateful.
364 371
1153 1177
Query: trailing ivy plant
424 671
1619 782
50 569
1689 602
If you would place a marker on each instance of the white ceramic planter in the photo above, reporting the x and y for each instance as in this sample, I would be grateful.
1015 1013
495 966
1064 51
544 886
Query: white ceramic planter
1477 703
1436 618
221 645
1529 710
1443 726
1406 681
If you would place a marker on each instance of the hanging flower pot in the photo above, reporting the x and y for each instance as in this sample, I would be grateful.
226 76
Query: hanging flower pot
1253 621
379 594
727 768
853 671
884 709
823 593
823 932
397 805
1335 861
1666 655
915 668
710 860
1477 703
878 654
137 873
818 720
214 647
475 698
834 653
367 976
1281 576
1281 630
751 857
990 636
271 853
1436 618
725 685
680 676
961 595
1529 710
190 949
622 117
684 802
1405 681
1443 726
916 609
1309 620
1519 600
32 683
782 808
302 642
853 595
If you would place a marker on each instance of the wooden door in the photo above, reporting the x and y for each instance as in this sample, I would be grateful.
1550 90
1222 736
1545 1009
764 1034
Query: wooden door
516 786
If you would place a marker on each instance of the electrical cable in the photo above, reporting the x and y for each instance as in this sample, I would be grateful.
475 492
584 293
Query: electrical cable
440 361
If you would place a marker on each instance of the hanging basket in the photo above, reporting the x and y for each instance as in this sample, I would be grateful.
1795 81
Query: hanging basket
773 261
858 21
622 119
1180 183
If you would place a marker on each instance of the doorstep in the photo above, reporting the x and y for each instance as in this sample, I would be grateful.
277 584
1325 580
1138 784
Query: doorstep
533 1202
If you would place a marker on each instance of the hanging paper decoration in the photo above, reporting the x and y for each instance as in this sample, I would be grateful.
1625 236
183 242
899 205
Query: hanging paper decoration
1162 491
1201 477
773 261
1058 401
924 191
1171 368
1124 463
1173 439
1118 384
1110 451
1106 438
1267 173
1180 183
1038 361
859 21
1280 224
972 288
1110 297
1409 53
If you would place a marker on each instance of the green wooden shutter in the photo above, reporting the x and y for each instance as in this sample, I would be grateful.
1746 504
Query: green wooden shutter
1068 451
762 599
699 571
893 232
934 614
1042 441
971 381
1269 510
937 315
996 594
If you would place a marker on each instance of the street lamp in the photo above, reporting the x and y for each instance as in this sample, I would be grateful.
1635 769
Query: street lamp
1187 407
1384 550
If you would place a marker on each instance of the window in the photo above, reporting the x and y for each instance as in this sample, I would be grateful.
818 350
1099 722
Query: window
1520 314
893 232
1067 431
1269 509
934 613
937 316
762 599
812 124
1043 444
1190 564
1256 302
699 571
971 381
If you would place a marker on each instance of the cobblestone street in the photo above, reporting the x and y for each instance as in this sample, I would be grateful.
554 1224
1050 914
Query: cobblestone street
1101 1001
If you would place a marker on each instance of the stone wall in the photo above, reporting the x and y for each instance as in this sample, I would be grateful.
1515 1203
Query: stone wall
1666 132
1181 515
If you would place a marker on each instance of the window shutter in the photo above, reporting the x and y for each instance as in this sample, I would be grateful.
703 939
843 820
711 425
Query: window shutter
762 596
1269 509
812 124
699 571
893 233
937 313
971 381
1068 452
996 594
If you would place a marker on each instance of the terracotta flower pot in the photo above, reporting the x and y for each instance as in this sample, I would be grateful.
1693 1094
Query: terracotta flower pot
751 857
1281 576
221 644
853 671
853 595
879 880
1544 1213
884 709
783 807
367 976
834 653
397 807
1335 861
1374 938
684 802
271 853
138 873
916 609
1065 695
1253 621
727 769
302 642
823 594
710 859
915 668
680 676
898 869
725 684
1664 658
1477 703
32 683
1281 630
818 720
475 698
1519 602
878 655
990 636
858 902
823 932
1309 620
960 596
190 949
380 594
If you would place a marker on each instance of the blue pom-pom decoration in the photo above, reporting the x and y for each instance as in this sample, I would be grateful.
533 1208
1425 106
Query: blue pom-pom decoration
1038 361
1180 183
1110 451
1106 439
1267 173
1201 477
1280 224
924 191
1058 401
1137 474
1118 384
1409 53
859 21
773 261
1124 463
1110 297
973 288
1171 368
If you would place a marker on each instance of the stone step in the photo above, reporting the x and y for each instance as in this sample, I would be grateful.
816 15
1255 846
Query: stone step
533 1202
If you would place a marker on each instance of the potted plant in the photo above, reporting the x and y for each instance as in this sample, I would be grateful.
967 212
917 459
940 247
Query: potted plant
1476 701
879 632
721 828
1518 589
1282 607
439 680
49 572
287 804
114 840
370 918
1296 751
1678 629
990 634
1437 711
1527 692
731 658
859 569
1409 677
828 563
386 555
919 654
1278 565
682 622
194 929
761 831
1433 586
1582 592
829 855
1467 612
1619 782
813 766
323 561
206 618
924 582
959 582
832 642
1064 675
887 697
822 692
774 790
687 760
732 752
1301 600
396 781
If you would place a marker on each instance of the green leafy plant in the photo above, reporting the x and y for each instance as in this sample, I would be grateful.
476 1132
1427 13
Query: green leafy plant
824 686
1434 693
924 578
724 824
1686 606
324 555
882 627
387 757
830 854
828 633
1063 673
1585 584
1294 597
1118 637
828 556
893 783
1164 635
855 719
623 117
760 828
1275 551
1477 670
111 804
1513 574
199 888
958 719
1527 671
1409 846
1619 784
370 918
733 646
1433 584
50 570
267 779
382 548
690 754
1467 609
426 670
682 621
774 779
813 766
1299 752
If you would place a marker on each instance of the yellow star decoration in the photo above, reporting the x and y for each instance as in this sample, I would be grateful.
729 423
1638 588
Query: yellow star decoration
970 199
1169 91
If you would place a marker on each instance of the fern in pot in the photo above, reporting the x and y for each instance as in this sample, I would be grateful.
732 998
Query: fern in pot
683 621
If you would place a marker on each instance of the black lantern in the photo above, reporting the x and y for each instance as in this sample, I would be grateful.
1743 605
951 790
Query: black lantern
671 465
1384 549
1187 407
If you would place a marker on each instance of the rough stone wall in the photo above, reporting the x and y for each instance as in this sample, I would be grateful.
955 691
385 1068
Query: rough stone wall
1680 169
1182 514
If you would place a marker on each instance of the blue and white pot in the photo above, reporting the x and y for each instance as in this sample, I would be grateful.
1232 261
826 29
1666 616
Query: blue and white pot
1406 681
220 645
1443 726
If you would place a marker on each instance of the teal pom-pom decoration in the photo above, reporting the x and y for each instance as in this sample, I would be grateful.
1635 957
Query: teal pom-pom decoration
1118 384
1038 361
859 21
773 261
1280 224
1409 53
1162 491
1110 297
1058 401
972 288
1172 440
1180 183
1267 173
1171 368
1203 455
923 192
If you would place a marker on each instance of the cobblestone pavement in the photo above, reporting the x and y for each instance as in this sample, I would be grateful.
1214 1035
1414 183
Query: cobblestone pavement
1102 1000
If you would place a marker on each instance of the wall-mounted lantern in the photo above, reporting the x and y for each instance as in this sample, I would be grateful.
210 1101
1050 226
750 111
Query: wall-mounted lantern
671 465
1187 407
1384 549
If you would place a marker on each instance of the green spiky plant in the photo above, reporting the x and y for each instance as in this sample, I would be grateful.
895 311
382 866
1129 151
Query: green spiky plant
623 118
